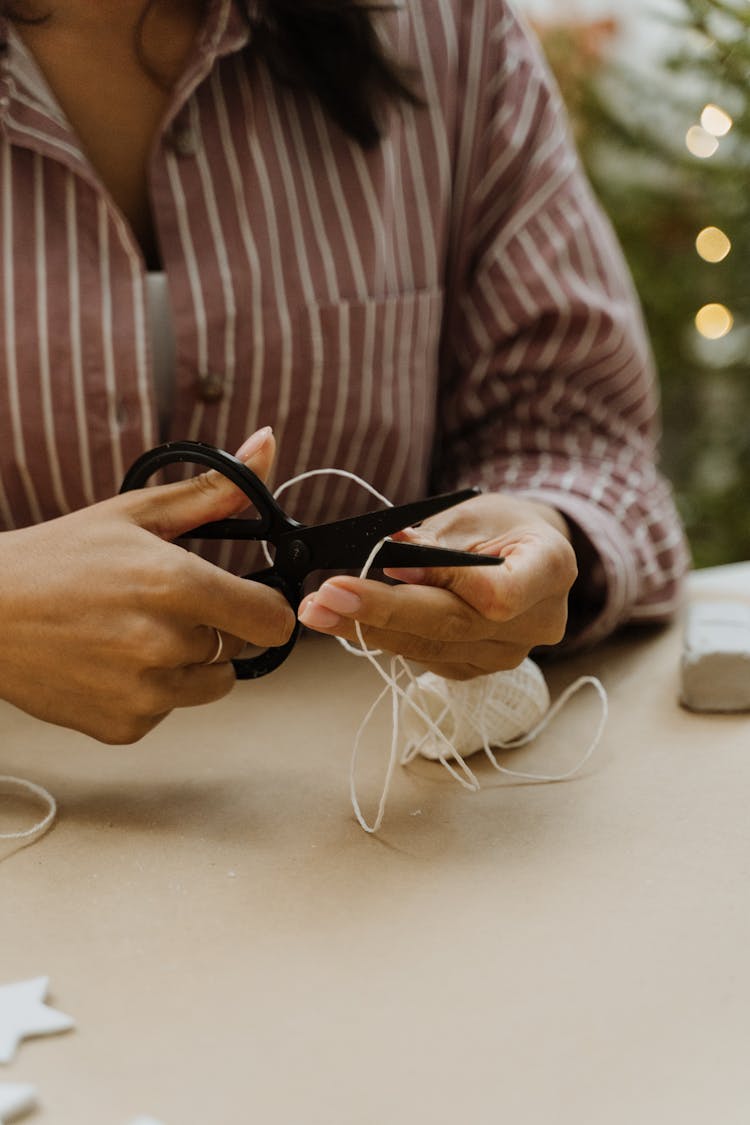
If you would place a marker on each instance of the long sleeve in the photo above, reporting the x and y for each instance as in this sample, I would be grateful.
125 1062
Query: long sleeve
548 384
338 295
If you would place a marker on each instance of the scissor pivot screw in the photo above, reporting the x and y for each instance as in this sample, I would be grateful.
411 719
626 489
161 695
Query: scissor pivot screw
298 551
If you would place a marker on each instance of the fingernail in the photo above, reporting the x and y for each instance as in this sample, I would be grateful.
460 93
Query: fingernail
317 616
412 574
253 444
338 600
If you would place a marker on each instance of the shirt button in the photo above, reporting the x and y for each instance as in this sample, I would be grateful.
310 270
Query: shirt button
122 414
184 141
210 386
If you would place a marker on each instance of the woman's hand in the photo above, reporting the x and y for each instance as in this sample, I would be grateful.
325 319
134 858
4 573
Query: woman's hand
463 621
107 625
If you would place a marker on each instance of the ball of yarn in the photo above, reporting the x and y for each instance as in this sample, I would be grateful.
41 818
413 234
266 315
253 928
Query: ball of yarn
469 715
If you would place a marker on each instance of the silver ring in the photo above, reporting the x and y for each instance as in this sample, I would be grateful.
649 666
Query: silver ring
219 647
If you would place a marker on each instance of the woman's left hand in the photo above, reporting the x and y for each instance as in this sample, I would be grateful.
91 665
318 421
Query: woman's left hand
463 621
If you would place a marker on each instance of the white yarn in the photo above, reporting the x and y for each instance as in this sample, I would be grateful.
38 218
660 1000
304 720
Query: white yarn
504 710
444 720
14 786
505 705
448 720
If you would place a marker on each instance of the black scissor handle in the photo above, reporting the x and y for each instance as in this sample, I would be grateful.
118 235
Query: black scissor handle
252 667
199 453
270 514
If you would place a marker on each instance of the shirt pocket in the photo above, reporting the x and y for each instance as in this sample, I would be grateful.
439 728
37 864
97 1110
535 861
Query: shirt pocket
362 397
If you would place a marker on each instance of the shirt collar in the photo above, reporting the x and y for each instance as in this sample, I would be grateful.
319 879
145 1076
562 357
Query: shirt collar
226 30
21 76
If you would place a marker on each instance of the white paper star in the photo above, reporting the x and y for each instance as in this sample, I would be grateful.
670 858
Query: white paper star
15 1099
23 1012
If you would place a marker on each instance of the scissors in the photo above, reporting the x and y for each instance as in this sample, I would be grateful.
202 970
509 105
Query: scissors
301 549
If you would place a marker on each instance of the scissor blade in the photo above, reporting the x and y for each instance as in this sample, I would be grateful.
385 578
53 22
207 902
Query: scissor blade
395 554
346 544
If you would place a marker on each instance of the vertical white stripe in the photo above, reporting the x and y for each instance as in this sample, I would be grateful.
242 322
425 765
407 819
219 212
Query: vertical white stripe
229 319
316 373
435 200
399 173
303 167
384 280
196 289
336 389
251 253
387 373
424 420
146 391
42 327
469 117
366 385
146 395
411 368
19 450
394 211
110 369
267 189
334 179
76 350
433 93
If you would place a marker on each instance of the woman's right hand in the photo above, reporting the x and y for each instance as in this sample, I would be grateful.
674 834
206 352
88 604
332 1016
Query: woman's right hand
107 625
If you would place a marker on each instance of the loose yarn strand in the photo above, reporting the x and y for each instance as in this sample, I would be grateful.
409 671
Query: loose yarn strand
15 785
398 669
523 740
328 473
392 760
391 679
462 712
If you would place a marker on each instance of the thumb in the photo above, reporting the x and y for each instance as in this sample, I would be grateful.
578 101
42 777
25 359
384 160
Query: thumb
476 585
169 510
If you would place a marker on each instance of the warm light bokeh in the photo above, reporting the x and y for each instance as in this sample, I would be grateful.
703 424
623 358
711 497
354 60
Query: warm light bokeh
713 245
700 143
714 321
716 120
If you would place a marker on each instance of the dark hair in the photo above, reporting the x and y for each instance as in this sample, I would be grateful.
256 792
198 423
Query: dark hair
330 47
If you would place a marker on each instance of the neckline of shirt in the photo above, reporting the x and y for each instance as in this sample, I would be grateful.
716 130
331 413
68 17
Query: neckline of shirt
226 30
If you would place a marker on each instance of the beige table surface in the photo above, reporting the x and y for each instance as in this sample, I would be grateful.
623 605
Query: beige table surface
235 950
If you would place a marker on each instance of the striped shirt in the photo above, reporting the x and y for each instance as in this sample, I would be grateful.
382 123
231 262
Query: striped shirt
450 308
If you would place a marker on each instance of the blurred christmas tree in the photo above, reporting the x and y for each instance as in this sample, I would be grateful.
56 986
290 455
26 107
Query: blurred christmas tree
668 151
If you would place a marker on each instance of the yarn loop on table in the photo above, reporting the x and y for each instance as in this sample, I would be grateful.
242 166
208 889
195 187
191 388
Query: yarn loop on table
449 720
20 787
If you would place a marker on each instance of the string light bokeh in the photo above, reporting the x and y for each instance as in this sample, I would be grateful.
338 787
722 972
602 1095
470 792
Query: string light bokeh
682 219
714 320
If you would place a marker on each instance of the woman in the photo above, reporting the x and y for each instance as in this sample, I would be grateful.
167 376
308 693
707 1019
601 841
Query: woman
362 225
